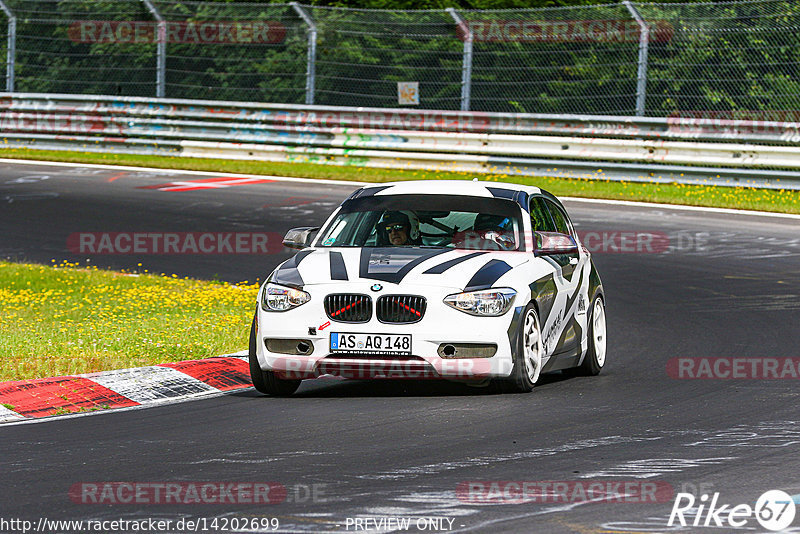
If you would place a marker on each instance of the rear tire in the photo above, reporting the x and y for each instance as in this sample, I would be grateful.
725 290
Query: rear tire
267 382
596 353
528 353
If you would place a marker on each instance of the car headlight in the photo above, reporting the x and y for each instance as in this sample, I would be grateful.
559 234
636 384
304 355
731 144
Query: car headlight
486 302
280 298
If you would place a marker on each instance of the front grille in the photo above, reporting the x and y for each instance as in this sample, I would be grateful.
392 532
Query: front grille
403 309
348 308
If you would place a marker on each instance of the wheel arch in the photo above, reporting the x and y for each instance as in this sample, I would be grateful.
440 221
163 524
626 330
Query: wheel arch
595 284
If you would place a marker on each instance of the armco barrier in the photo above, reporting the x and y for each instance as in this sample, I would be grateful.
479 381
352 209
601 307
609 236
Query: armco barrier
646 149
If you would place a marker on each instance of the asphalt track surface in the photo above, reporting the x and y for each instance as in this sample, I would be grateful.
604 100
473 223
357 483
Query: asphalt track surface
727 286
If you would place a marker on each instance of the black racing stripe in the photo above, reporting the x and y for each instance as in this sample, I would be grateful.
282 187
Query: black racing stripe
520 197
338 268
498 192
288 275
557 266
522 200
571 300
368 191
544 293
396 277
579 334
488 275
442 267
295 260
513 327
562 339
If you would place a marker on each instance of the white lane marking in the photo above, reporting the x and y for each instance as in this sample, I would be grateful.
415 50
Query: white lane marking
763 435
481 461
649 524
32 179
350 182
230 461
253 458
437 503
542 511
14 197
649 468
9 415
173 172
150 384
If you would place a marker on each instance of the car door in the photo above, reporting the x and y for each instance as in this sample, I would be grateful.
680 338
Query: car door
562 224
560 330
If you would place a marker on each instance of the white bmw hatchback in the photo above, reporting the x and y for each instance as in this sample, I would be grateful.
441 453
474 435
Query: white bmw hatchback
467 281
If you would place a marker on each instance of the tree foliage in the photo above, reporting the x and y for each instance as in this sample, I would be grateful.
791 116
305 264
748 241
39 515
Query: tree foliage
734 58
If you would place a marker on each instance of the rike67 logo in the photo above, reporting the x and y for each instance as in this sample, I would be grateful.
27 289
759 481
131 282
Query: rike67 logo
774 510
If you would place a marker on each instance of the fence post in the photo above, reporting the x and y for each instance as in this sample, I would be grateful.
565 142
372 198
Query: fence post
466 67
644 41
311 64
161 50
11 48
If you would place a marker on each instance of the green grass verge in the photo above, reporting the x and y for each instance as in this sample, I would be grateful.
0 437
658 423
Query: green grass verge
64 320
785 201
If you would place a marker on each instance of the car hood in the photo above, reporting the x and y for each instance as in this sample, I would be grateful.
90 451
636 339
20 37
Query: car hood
458 269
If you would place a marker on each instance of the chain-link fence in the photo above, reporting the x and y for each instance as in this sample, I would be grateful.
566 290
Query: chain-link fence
726 60
720 60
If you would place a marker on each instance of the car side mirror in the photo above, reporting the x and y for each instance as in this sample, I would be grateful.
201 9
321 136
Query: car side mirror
550 243
299 237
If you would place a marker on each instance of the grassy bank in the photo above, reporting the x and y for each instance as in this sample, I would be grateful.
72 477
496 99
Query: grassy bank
63 320
785 201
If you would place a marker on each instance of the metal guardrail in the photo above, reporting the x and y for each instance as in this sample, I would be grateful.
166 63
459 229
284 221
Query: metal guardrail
292 117
721 152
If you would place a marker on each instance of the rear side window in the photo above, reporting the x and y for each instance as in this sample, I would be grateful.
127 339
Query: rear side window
560 218
540 217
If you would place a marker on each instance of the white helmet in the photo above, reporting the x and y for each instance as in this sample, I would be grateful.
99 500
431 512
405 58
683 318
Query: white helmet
404 217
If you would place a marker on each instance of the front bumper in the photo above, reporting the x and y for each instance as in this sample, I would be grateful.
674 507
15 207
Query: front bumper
441 326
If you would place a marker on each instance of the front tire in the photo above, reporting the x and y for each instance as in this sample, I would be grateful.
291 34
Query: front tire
267 382
596 354
528 353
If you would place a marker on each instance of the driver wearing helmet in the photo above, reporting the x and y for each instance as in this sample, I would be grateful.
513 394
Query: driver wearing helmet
496 229
398 228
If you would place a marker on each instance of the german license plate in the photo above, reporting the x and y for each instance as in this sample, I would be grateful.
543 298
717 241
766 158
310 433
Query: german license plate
371 343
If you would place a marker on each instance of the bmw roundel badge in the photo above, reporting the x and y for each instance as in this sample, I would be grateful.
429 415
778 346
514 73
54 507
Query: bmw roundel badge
376 287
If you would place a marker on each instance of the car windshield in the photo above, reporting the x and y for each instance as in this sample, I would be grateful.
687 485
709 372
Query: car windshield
461 222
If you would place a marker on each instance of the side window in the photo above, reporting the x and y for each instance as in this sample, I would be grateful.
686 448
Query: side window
540 218
559 218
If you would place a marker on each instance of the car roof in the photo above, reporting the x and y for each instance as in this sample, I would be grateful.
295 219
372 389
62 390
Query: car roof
446 187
